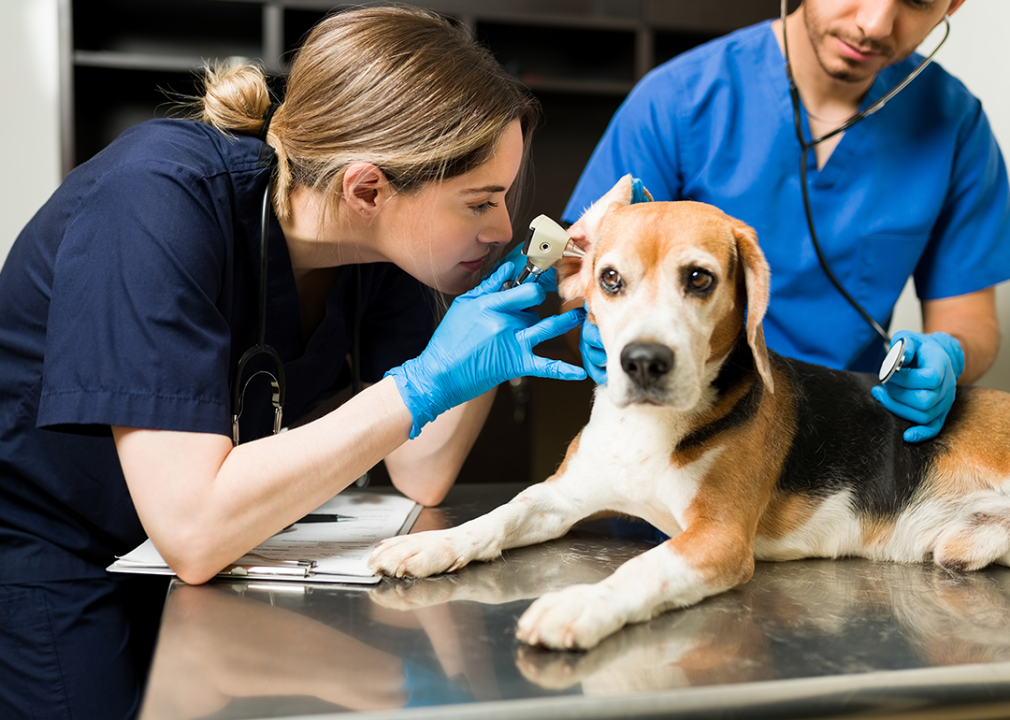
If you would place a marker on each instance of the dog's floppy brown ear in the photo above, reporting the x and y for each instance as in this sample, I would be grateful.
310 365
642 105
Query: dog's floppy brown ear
575 274
757 278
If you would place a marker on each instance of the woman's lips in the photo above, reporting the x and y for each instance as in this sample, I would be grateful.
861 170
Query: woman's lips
474 265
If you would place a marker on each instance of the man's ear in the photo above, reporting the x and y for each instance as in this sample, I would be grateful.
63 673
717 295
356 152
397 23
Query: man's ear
575 274
954 6
365 188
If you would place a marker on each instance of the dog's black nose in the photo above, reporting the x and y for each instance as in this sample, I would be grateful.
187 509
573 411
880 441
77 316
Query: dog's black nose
646 363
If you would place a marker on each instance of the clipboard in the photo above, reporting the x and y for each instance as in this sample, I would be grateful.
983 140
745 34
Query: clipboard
309 552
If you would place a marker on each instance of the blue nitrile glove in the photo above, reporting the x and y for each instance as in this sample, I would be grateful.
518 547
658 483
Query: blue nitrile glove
638 192
485 338
594 357
923 390
548 278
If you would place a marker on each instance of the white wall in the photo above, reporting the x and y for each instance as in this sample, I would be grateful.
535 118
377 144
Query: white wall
974 53
29 122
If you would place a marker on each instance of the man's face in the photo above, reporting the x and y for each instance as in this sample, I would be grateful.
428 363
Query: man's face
856 39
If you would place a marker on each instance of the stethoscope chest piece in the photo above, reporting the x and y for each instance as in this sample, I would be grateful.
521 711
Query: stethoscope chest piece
892 363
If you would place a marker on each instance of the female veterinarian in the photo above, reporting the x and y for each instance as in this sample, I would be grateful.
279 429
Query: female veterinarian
128 303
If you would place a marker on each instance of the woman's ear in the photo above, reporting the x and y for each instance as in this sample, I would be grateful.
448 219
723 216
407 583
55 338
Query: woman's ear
365 189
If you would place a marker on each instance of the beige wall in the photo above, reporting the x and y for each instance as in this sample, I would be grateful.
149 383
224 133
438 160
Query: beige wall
29 121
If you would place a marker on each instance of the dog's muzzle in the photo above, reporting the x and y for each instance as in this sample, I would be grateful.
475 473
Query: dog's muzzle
646 364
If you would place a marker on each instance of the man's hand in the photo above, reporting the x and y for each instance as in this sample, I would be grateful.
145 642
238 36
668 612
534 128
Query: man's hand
923 390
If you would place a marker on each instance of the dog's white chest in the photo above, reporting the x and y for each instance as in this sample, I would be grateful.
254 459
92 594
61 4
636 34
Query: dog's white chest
626 456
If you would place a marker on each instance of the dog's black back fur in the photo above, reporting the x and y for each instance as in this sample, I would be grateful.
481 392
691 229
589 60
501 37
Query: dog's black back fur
845 439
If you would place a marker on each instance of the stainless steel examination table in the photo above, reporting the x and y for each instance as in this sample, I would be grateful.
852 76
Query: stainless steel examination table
808 639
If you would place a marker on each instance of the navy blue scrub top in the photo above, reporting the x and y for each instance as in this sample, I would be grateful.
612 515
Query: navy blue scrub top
127 300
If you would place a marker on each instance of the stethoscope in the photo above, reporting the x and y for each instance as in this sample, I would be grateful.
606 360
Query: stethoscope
277 379
892 363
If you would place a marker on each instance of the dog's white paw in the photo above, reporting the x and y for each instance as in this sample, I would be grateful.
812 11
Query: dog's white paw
576 618
420 555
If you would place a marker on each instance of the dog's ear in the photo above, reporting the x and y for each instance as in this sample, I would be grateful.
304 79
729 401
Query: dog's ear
575 274
757 279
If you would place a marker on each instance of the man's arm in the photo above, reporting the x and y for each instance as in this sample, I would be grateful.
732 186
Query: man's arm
972 320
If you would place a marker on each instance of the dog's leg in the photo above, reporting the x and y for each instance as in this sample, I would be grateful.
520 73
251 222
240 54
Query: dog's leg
539 513
700 562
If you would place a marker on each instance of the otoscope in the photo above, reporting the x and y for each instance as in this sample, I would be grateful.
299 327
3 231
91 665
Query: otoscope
546 243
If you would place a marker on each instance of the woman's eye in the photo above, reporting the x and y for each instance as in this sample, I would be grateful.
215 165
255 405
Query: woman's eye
611 281
484 207
699 282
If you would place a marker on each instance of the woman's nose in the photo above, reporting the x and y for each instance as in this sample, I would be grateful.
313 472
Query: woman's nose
498 230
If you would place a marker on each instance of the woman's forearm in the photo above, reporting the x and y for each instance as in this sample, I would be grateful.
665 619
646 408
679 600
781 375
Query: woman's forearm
204 503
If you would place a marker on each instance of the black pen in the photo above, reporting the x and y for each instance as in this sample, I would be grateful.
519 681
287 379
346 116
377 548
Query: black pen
319 518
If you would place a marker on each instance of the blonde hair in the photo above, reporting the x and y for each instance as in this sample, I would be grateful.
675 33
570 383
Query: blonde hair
399 87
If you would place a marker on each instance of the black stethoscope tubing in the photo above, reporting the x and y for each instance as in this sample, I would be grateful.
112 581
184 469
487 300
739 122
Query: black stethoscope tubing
277 378
806 146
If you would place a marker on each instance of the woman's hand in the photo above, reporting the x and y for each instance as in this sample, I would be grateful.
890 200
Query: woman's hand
486 338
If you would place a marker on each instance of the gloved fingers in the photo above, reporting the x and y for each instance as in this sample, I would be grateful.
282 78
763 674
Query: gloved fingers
912 341
493 281
922 400
921 416
551 327
938 351
519 297
591 335
554 369
638 192
927 431
595 355
548 280
925 378
597 372
519 261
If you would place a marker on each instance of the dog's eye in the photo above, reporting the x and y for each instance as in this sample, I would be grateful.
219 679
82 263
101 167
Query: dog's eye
699 281
611 281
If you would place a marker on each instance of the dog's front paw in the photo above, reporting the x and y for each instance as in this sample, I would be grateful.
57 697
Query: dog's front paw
420 555
575 618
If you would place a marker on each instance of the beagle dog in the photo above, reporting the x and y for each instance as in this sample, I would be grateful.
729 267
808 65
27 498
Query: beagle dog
736 453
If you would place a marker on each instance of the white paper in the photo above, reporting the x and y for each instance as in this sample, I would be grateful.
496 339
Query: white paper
339 549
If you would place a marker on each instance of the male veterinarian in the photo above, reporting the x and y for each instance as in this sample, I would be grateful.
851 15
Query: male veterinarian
917 189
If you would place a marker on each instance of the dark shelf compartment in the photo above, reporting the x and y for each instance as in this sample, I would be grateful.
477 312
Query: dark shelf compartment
297 24
668 44
169 28
579 59
110 100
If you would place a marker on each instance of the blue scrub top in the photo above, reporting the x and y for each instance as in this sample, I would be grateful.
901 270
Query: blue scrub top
917 189
127 300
